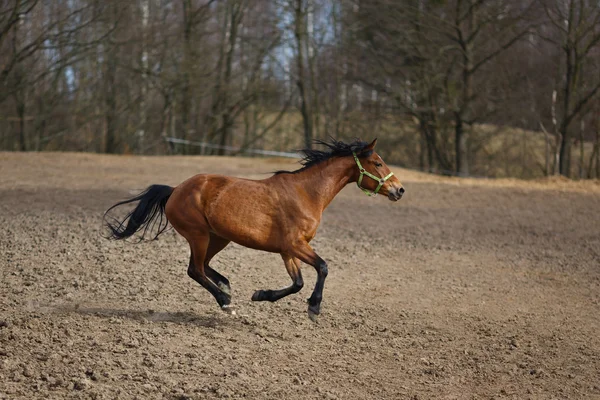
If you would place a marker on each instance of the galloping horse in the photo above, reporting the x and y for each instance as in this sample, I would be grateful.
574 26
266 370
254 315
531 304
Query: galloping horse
279 214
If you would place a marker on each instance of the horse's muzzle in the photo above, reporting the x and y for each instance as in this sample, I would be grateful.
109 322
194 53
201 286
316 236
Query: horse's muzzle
396 194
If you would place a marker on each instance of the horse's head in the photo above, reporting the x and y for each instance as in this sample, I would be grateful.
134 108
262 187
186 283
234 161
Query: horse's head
374 176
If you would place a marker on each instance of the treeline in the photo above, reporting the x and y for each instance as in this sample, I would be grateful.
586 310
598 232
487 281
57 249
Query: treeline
441 80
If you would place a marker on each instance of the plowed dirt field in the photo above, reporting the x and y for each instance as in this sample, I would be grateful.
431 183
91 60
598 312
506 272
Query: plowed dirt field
463 289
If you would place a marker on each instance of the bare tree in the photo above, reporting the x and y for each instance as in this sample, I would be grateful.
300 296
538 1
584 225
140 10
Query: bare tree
445 85
576 32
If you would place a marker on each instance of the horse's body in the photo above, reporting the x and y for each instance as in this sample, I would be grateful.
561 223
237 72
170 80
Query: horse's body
279 214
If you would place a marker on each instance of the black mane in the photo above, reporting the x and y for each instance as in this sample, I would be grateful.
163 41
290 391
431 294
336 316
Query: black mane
335 148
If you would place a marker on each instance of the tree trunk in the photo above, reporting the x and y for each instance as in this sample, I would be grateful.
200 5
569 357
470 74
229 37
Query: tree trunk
597 152
300 35
591 162
316 105
581 150
464 112
110 143
21 115
557 153
435 155
422 150
547 153
428 143
110 101
595 156
430 157
235 15
20 89
144 87
570 60
110 84
173 124
565 155
462 164
186 90
165 118
558 139
336 103
212 121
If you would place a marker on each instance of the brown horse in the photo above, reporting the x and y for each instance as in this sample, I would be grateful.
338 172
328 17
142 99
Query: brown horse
279 214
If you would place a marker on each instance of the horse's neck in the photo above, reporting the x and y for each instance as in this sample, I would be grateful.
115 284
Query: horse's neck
325 180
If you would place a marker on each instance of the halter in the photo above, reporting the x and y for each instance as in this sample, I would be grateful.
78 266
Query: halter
370 175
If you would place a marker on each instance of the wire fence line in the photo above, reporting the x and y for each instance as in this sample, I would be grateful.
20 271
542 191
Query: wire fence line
296 155
205 145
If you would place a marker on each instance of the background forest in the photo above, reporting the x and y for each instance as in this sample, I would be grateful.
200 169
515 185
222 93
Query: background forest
465 87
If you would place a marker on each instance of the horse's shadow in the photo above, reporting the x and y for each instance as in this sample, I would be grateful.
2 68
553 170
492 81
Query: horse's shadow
177 317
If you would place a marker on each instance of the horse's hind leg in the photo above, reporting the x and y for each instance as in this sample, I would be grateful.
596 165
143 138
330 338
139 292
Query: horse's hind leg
220 280
292 265
215 245
199 247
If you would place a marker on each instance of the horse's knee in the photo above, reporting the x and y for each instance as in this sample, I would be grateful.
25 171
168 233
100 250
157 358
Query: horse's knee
322 268
298 284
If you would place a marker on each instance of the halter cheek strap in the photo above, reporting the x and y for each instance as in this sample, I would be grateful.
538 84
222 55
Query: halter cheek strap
364 172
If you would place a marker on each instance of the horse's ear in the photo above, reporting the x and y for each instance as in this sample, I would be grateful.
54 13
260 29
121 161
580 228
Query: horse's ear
371 146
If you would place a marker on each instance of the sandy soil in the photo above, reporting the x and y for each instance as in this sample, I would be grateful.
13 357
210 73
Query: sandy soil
464 289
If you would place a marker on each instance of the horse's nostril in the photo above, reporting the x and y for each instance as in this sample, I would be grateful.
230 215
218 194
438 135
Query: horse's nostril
401 191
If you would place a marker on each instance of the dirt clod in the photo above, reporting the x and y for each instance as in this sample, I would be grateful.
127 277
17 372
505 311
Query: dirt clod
81 384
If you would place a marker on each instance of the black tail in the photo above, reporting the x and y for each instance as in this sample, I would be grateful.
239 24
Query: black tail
149 212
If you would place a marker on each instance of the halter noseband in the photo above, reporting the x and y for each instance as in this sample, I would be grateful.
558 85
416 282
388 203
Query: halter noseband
370 175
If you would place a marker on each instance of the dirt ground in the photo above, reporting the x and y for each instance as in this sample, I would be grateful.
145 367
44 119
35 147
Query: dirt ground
465 289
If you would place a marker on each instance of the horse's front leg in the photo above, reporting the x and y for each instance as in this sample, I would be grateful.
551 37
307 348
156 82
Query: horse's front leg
292 265
304 252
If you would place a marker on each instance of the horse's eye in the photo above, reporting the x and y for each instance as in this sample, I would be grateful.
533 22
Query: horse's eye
378 164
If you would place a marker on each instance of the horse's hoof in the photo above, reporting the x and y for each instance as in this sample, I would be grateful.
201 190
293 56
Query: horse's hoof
313 312
257 295
225 288
229 309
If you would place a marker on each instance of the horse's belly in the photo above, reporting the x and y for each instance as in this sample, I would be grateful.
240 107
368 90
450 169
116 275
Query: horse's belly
248 232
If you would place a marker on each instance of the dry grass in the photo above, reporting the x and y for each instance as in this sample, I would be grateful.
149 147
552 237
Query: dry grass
45 166
552 183
496 152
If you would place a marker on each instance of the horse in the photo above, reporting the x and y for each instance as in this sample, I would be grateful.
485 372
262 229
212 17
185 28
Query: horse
279 214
